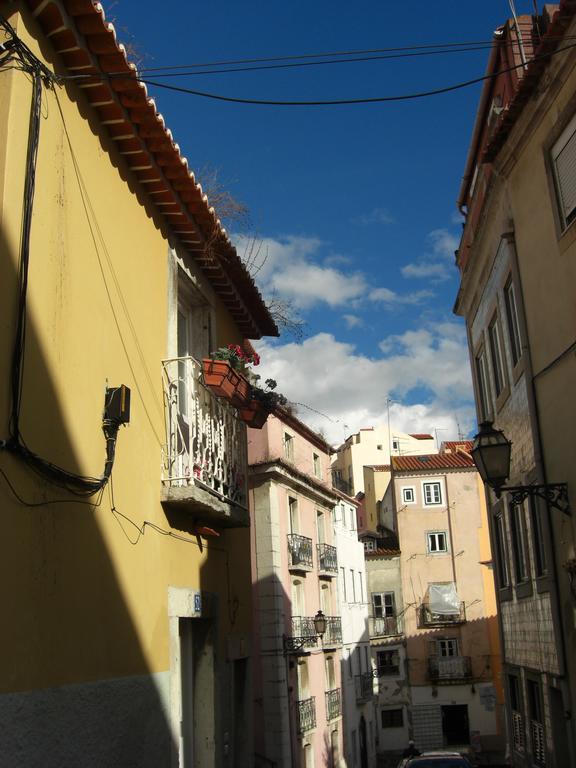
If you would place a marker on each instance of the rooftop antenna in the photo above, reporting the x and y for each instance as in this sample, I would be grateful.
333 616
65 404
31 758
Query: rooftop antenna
460 433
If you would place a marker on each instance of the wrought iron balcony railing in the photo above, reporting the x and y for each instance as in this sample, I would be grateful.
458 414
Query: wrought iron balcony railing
302 627
342 485
428 618
205 441
327 559
386 626
518 739
306 714
300 552
333 634
333 704
364 687
537 743
449 668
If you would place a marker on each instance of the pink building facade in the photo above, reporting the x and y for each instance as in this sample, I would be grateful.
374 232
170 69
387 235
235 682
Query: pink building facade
297 680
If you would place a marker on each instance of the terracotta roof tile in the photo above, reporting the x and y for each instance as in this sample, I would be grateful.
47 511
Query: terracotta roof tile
88 47
380 467
457 445
432 461
422 437
381 552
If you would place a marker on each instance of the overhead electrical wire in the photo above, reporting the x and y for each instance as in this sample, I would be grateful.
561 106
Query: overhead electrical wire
464 46
362 100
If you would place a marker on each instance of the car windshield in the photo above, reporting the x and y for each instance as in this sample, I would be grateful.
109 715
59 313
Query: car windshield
438 762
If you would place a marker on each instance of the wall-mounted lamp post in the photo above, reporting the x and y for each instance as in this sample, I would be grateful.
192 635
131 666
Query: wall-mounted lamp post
292 644
491 454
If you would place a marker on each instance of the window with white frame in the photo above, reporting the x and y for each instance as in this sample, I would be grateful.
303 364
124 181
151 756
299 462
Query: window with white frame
483 385
409 494
563 156
383 604
288 446
317 466
496 357
447 647
512 318
432 493
437 542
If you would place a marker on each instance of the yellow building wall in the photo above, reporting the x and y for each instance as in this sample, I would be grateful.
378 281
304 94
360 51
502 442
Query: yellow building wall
81 601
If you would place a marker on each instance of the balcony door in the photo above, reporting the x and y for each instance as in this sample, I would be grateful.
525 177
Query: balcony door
192 341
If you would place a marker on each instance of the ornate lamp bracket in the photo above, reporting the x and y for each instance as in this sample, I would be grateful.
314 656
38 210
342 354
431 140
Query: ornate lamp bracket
555 494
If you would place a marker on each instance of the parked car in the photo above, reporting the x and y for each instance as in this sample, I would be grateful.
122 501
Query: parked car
436 760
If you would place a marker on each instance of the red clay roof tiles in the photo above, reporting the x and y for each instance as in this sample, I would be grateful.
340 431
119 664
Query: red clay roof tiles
433 461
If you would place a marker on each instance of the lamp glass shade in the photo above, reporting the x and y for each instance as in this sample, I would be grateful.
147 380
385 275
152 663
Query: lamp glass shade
320 623
491 454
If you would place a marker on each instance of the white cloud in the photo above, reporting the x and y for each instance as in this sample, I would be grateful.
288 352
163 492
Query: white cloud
375 216
444 243
390 297
437 272
352 321
291 268
333 378
438 265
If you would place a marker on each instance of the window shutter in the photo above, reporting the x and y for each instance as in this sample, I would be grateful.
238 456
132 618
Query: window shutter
432 648
565 165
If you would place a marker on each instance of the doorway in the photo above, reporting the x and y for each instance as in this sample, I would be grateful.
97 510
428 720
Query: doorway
363 743
455 726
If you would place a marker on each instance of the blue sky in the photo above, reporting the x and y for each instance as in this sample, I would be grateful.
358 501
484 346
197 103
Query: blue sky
355 205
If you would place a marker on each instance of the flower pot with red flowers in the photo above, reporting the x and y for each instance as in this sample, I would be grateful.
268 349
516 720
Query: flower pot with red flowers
261 404
223 373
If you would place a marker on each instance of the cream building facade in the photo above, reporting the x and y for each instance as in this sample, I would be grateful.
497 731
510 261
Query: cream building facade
517 294
373 445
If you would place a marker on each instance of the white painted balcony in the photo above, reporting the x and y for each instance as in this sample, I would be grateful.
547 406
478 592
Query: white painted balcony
204 467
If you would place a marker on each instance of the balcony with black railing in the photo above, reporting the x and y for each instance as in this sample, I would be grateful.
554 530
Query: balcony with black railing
327 560
302 635
306 714
333 704
332 637
364 687
449 669
385 626
299 552
428 618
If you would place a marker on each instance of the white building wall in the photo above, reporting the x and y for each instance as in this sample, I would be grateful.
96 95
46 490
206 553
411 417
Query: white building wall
353 607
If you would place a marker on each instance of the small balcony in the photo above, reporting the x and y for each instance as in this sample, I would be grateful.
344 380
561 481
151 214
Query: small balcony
333 636
299 553
204 462
302 628
327 560
364 688
385 626
449 669
333 704
427 618
306 714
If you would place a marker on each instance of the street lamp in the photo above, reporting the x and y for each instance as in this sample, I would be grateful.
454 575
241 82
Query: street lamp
292 644
491 454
